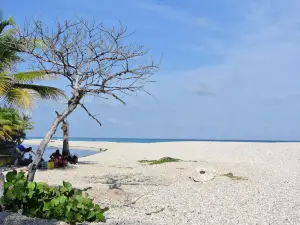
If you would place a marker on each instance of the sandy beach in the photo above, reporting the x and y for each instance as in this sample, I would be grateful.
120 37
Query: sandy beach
263 188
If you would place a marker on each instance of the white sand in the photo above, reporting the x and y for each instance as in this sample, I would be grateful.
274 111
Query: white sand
270 195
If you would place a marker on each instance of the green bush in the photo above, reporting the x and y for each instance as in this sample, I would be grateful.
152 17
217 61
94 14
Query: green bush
39 200
159 161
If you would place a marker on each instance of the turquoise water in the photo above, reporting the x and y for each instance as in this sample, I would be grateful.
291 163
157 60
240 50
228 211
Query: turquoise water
79 152
153 140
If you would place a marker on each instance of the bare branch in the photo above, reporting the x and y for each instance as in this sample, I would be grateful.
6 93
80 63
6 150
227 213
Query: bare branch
89 55
94 59
85 109
58 115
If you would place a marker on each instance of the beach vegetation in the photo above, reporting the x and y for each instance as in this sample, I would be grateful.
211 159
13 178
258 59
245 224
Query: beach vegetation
13 128
39 200
159 161
233 177
13 125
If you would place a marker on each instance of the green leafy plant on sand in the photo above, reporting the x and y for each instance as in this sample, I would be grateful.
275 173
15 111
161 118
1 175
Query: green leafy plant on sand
233 177
39 200
159 161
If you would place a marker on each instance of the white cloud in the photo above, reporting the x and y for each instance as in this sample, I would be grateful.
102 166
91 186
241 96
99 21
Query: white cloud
180 15
263 62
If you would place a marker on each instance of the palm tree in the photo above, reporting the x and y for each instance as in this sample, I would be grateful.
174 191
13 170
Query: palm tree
13 125
7 127
18 89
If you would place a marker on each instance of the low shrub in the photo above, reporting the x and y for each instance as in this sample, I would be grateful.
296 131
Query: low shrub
233 177
159 161
37 199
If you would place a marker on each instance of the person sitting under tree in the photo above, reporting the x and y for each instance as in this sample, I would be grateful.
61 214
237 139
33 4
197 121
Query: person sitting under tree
58 160
55 155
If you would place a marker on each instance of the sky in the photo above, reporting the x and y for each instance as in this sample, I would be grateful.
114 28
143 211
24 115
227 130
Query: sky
229 70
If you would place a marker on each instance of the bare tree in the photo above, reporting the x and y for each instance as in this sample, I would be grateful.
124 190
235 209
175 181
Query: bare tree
94 59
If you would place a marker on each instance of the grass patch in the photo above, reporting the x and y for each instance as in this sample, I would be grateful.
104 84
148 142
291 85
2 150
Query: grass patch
159 161
233 177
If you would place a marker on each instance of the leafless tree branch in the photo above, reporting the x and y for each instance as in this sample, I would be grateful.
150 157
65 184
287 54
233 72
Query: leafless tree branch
92 57
94 118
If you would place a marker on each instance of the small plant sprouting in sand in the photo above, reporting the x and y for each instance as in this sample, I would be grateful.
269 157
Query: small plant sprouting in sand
159 161
233 177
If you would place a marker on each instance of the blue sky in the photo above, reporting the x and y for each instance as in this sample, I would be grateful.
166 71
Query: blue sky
230 68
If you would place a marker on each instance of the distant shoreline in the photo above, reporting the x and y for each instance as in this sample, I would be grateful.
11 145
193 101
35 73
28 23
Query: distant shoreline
160 140
100 146
59 144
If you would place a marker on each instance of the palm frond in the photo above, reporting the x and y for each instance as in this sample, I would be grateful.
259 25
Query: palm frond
17 90
4 121
19 98
2 135
27 124
13 123
5 82
8 128
8 56
31 76
4 23
44 92
8 33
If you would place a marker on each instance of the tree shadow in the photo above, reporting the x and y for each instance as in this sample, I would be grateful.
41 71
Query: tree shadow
87 162
115 181
127 222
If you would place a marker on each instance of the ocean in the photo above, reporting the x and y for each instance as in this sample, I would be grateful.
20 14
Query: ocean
156 140
49 150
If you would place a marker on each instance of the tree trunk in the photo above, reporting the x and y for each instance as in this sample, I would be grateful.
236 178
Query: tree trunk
2 182
65 128
39 153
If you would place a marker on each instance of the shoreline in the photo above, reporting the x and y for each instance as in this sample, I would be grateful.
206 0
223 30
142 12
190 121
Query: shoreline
164 140
59 144
102 145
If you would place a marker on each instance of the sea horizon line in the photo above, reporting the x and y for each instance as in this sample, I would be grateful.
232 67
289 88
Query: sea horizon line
151 140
